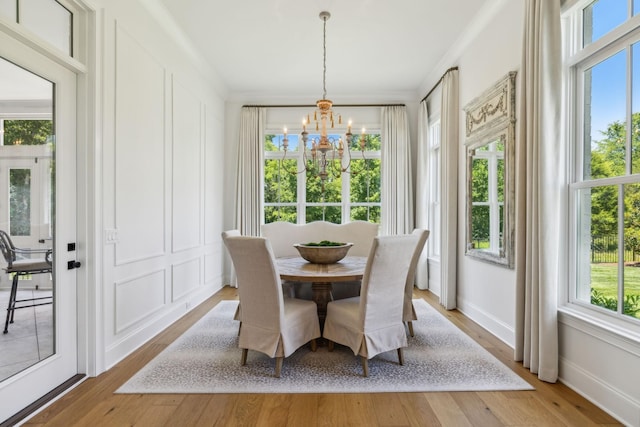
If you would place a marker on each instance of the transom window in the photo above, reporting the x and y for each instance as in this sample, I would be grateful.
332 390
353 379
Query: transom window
296 195
48 19
604 70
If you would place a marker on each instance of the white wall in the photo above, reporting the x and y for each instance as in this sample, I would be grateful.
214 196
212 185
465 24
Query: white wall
160 148
486 292
599 363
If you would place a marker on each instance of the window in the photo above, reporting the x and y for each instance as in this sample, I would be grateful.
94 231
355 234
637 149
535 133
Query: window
434 189
604 74
295 195
487 196
48 19
20 202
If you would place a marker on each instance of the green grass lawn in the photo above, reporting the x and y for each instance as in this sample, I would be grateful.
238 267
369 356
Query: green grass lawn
604 278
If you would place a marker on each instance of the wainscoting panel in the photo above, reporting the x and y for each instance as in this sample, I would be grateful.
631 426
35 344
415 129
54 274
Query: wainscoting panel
187 168
139 151
185 277
138 298
214 177
213 267
161 174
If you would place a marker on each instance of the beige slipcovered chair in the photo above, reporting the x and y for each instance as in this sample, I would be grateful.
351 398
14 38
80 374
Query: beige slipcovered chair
225 236
372 323
271 324
409 312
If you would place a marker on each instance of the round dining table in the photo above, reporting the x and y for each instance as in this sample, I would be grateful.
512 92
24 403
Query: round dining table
321 276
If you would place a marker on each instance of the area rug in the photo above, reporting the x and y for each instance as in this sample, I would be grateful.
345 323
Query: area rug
206 359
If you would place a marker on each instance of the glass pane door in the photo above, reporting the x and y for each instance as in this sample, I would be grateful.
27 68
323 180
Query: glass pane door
26 208
38 345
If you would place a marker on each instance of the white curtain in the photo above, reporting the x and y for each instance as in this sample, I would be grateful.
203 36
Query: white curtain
250 170
422 190
397 192
540 206
449 124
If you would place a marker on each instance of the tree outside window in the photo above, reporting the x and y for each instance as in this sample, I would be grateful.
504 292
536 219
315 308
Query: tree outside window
296 195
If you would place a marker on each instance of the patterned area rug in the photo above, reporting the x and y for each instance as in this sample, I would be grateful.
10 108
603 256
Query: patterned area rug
206 359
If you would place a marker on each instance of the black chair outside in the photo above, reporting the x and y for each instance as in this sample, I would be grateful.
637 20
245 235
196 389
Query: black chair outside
20 263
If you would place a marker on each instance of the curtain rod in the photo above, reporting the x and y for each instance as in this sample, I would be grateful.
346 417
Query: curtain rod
438 82
335 105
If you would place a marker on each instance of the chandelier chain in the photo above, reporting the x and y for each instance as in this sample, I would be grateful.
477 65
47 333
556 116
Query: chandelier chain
324 59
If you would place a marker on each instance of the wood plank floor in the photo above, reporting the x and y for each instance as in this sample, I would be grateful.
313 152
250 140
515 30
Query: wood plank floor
93 402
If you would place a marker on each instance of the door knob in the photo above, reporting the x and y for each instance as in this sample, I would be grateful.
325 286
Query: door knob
73 264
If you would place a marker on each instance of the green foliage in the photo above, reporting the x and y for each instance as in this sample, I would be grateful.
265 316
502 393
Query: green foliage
631 306
324 198
325 243
608 159
599 299
20 202
27 132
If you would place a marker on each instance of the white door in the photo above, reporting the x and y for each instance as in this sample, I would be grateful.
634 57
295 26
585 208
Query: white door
41 213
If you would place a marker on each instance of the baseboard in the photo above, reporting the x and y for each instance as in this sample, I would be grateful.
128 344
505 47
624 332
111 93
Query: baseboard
621 406
496 327
138 337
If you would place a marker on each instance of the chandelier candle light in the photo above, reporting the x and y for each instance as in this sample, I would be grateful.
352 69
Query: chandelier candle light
325 144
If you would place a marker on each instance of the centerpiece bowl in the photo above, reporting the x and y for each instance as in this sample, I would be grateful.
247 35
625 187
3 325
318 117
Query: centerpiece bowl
324 252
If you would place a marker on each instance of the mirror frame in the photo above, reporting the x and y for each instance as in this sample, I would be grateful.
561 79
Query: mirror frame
490 117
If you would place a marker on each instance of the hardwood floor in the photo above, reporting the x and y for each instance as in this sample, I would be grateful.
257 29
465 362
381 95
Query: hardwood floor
93 402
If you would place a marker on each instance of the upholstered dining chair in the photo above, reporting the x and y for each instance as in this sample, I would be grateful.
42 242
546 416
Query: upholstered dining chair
271 324
371 323
225 235
409 311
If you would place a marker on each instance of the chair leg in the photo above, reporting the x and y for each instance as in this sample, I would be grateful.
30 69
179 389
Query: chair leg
400 357
239 327
410 325
11 308
365 366
243 360
279 366
314 345
330 345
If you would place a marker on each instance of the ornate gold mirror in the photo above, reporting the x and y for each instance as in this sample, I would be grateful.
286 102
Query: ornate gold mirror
490 198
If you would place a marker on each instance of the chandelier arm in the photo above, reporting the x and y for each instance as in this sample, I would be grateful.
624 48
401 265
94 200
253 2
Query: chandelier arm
335 171
292 172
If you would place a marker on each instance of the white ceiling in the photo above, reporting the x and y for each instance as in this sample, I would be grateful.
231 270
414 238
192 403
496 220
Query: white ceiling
273 48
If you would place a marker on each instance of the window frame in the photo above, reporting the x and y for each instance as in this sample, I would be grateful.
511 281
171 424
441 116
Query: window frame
301 203
577 60
434 156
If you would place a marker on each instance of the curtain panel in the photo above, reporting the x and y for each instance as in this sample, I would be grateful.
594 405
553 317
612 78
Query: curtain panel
422 191
249 189
540 201
397 190
449 125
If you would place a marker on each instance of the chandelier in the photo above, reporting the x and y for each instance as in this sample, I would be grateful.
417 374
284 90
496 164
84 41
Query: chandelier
326 154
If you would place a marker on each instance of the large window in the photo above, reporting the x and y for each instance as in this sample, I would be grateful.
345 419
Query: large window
296 195
604 76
